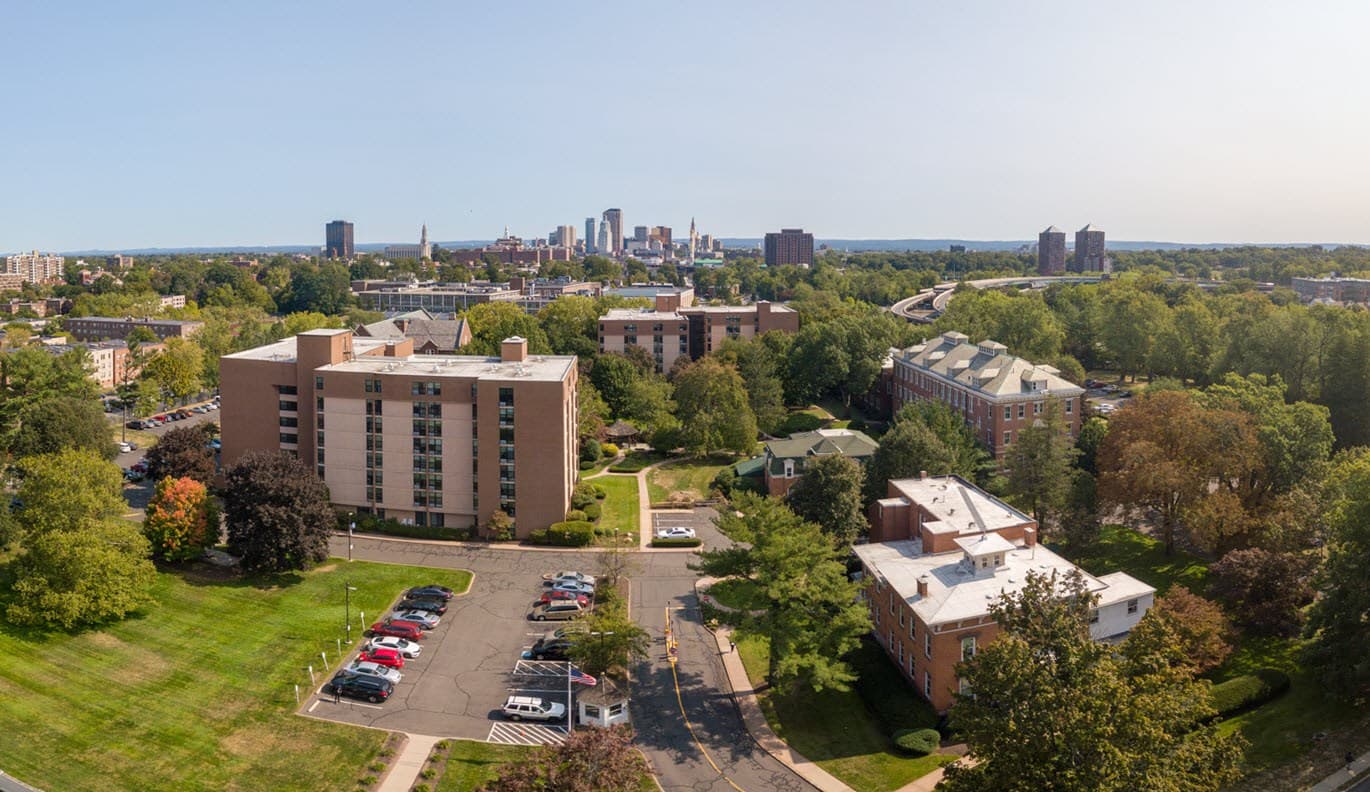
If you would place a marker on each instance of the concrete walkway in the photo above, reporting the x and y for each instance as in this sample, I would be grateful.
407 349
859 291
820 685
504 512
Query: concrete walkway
1344 777
404 771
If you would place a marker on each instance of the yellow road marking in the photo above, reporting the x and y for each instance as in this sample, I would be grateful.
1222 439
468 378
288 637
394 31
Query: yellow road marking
681 702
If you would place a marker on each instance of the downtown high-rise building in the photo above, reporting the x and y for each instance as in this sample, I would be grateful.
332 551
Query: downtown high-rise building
790 246
564 236
338 240
614 217
590 235
1090 254
604 244
1051 252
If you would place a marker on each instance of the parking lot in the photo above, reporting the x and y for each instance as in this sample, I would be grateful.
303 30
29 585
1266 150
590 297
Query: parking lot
470 664
700 519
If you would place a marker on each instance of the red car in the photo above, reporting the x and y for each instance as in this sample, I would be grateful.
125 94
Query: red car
555 595
385 657
398 629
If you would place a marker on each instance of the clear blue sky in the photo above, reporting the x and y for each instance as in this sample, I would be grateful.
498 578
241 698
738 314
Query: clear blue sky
198 123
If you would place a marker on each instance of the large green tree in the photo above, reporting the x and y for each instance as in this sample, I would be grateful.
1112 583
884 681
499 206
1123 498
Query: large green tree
278 513
493 322
1046 707
613 376
1340 650
912 446
757 362
589 760
830 494
711 405
66 487
812 619
183 452
1041 464
55 423
572 325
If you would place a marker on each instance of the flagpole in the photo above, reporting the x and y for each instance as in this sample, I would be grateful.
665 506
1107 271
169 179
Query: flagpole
568 699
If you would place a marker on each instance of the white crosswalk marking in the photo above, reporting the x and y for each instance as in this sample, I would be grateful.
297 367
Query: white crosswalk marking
526 734
540 668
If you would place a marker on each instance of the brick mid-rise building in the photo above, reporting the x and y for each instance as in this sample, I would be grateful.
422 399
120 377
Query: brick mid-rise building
104 328
671 331
432 440
997 394
941 552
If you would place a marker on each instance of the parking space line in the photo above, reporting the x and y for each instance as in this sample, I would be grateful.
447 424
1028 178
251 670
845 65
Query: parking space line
540 668
526 734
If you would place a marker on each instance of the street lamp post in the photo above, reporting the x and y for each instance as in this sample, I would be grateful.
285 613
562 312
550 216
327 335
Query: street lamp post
351 526
348 588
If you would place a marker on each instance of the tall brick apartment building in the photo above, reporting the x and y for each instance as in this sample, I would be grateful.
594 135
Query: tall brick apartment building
436 440
941 552
673 330
996 393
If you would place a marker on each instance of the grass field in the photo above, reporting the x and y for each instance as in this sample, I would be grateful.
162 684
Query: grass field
738 594
839 731
687 475
471 764
620 504
198 691
1122 549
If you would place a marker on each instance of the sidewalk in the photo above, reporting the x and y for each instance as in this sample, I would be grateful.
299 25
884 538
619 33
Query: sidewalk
1345 776
404 771
756 724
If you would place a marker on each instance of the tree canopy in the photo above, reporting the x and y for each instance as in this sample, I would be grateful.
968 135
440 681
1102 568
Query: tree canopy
278 513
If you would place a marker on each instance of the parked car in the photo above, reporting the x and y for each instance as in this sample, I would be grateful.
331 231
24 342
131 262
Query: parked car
1106 408
676 532
140 466
126 447
132 475
556 595
554 649
575 588
431 605
364 668
577 577
372 689
383 657
424 619
518 708
430 591
562 610
136 424
404 646
406 630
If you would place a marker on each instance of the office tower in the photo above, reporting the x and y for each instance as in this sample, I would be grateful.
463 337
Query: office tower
590 235
1051 252
641 234
790 246
338 240
660 234
565 236
1090 255
614 217
605 243
694 240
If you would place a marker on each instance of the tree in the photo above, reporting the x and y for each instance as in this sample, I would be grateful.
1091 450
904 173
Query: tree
492 322
326 289
181 521
177 368
499 525
589 760
1047 707
829 494
711 405
572 325
591 412
1340 650
812 619
1195 626
1042 464
66 487
905 450
55 423
1265 591
183 452
757 363
278 513
609 642
613 376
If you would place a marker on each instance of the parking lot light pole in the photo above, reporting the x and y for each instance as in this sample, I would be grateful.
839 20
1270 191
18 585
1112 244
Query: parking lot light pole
351 526
348 588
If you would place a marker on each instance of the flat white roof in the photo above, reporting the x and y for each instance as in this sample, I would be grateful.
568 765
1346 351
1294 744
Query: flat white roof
283 351
959 506
957 592
544 368
642 314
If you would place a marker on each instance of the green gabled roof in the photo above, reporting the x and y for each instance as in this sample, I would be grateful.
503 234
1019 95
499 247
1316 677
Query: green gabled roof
821 442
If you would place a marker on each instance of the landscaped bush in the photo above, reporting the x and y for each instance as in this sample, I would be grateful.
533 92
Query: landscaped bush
570 534
590 451
588 465
917 742
1248 691
608 449
678 541
575 515
592 512
600 493
582 496
538 536
369 524
799 422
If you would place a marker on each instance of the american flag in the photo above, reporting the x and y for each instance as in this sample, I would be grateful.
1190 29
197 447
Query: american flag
583 678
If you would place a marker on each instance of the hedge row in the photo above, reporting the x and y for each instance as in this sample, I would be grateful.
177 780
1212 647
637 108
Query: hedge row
1248 691
393 528
565 534
917 742
676 541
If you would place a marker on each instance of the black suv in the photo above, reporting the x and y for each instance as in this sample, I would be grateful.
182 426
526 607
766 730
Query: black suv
373 689
550 649
424 604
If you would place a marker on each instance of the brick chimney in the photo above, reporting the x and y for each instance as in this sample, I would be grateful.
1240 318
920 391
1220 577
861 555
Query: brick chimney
922 585
513 350
1029 537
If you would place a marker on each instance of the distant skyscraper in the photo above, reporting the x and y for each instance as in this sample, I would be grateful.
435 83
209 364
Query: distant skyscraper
425 249
564 236
790 246
1090 255
614 217
589 234
338 240
694 240
605 245
641 234
1051 252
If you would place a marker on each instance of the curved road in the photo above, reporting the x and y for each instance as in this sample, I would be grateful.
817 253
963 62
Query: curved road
660 581
938 296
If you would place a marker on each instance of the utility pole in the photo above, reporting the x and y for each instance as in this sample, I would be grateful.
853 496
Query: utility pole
347 609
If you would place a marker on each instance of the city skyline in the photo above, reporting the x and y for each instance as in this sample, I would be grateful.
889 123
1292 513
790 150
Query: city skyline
921 122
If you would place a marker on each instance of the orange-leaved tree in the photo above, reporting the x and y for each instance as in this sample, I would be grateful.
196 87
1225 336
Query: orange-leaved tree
182 519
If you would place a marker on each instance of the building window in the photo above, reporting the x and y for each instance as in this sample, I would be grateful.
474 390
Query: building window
927 684
967 648
318 404
1008 437
912 629
1022 410
1008 413
289 421
1070 404
1036 408
1131 606
963 687
288 406
927 643
288 390
1094 616
318 383
911 664
290 438
373 386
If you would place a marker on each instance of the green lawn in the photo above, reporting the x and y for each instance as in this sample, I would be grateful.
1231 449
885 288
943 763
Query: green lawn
841 731
1123 549
687 475
620 504
471 764
198 691
738 594
637 460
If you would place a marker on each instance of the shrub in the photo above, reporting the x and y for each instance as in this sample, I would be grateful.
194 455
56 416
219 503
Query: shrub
609 449
588 465
857 425
537 537
600 493
570 534
428 773
590 451
917 742
592 512
443 745
799 422
369 524
582 496
422 788
678 541
366 781
575 515
1248 691
376 767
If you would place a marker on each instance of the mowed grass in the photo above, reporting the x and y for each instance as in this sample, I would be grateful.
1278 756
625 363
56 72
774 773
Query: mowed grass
1121 549
198 691
738 594
470 765
839 731
693 476
619 509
